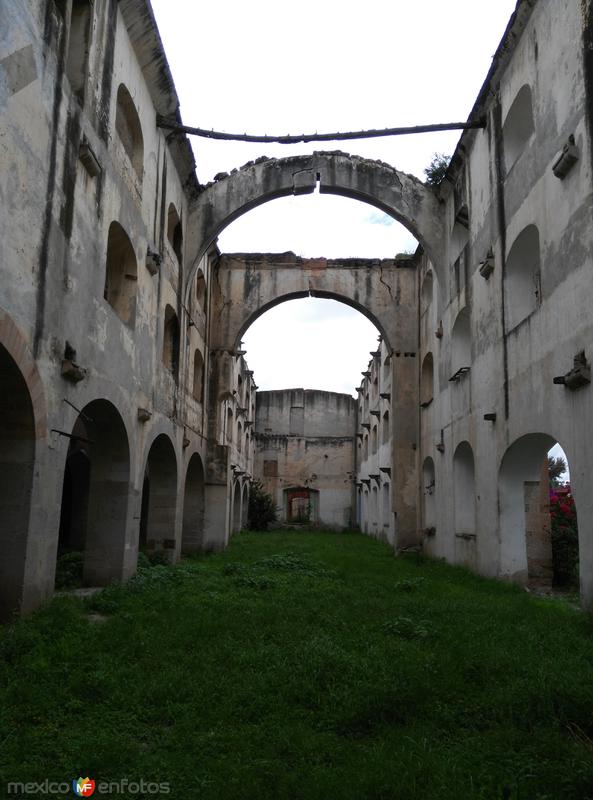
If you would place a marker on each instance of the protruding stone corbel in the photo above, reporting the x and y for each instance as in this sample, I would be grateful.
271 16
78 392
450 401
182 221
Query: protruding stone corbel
579 375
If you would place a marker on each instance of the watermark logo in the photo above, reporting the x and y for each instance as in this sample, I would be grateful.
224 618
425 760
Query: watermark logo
83 787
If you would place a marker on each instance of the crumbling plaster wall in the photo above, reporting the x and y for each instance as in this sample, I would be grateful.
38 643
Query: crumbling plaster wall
54 222
306 437
512 368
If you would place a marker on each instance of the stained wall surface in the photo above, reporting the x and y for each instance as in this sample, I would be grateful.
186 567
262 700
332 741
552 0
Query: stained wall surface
305 448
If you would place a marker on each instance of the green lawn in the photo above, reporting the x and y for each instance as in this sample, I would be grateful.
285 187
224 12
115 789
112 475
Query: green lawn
304 665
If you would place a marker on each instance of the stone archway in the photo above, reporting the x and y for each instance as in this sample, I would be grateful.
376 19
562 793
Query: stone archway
17 462
236 509
401 196
159 500
247 285
373 287
96 493
193 507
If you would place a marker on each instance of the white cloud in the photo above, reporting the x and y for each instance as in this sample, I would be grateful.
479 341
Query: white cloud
313 226
310 343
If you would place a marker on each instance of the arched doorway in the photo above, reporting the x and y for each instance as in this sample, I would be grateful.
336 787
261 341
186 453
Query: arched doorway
245 505
465 505
538 522
429 518
17 461
95 494
159 498
387 517
236 526
193 507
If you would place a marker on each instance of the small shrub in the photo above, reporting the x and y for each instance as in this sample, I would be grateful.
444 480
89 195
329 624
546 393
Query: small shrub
408 585
260 582
69 570
406 628
158 558
262 510
143 560
233 569
287 562
105 602
435 171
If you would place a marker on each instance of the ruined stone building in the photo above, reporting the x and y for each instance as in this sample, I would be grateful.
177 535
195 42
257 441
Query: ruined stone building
128 414
304 444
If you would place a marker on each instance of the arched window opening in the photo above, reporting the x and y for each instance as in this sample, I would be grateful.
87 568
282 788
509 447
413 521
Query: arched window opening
427 381
459 240
522 277
201 291
427 292
386 376
171 342
198 384
121 274
386 428
78 47
518 126
229 424
429 517
239 437
374 440
129 130
175 232
461 346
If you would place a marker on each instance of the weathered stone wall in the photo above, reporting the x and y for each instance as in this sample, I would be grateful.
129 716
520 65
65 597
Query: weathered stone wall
519 274
305 440
94 203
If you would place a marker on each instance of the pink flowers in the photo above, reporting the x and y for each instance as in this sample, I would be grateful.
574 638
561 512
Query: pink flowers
562 507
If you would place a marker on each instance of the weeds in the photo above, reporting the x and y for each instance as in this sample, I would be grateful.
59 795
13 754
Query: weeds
301 666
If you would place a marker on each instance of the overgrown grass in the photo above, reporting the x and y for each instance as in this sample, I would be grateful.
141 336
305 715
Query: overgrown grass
304 665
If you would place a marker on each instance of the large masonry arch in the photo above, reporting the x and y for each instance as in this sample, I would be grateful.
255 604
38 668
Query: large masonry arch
401 196
249 284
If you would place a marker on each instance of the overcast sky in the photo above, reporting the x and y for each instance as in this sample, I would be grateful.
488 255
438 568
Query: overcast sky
277 68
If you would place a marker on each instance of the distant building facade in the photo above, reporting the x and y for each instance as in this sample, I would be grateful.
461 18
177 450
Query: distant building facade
304 442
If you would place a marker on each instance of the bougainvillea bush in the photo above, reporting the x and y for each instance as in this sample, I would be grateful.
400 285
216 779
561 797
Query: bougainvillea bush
565 537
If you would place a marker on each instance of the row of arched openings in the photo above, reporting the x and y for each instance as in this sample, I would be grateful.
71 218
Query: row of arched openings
522 293
121 278
375 510
96 496
528 547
